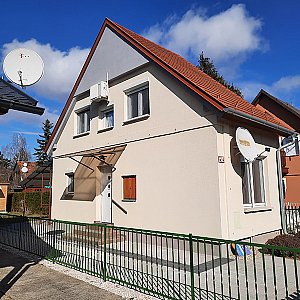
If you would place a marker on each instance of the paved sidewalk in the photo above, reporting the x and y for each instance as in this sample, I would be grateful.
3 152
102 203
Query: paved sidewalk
25 279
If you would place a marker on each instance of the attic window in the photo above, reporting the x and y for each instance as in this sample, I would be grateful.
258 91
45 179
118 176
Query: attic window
138 102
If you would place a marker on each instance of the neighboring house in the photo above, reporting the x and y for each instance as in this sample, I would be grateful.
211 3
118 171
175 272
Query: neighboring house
161 152
3 196
39 179
18 174
287 113
14 98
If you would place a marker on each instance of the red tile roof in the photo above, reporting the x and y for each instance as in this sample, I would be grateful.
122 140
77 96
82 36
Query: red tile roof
221 96
209 89
31 166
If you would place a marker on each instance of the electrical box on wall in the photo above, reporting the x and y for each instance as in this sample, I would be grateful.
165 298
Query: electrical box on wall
99 91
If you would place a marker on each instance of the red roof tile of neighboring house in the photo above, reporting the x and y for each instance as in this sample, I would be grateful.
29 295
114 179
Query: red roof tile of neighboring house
221 96
31 166
209 89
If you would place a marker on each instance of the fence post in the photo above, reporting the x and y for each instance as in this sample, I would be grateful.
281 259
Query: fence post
53 250
104 263
192 266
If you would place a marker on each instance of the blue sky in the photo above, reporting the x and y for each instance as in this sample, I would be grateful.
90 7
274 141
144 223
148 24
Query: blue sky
254 44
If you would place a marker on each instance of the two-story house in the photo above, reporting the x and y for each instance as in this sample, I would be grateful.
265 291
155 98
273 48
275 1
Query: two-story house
160 151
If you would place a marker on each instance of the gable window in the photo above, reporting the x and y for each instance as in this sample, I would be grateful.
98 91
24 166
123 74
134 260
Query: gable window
70 183
129 188
107 119
138 103
83 121
253 183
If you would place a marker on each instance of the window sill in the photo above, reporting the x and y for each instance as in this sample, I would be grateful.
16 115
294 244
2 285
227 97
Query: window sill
136 119
105 129
128 200
81 134
251 210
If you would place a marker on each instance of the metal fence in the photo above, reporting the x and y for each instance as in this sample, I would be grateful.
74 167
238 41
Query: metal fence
162 264
292 218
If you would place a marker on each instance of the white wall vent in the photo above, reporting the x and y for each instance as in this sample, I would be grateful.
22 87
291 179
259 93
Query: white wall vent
99 91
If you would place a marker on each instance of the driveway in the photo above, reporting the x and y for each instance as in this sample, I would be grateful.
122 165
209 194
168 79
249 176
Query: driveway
26 279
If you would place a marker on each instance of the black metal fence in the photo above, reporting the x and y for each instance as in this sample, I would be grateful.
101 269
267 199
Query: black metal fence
166 265
292 218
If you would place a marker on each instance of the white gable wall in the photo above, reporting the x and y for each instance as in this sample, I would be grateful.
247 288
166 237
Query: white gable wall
112 56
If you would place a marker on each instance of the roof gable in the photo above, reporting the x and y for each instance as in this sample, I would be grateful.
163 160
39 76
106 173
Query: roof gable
279 109
199 82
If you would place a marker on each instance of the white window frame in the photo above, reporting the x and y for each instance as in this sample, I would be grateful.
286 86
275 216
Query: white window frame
70 176
133 90
251 186
102 125
87 120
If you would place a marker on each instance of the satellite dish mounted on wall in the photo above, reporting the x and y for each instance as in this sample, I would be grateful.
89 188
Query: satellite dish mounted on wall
23 67
246 144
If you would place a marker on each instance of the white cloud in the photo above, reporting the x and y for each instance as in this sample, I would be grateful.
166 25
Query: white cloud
61 67
26 132
226 37
288 83
285 88
33 120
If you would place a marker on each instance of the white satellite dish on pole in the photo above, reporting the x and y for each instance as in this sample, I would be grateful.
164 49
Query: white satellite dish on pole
246 144
24 169
23 67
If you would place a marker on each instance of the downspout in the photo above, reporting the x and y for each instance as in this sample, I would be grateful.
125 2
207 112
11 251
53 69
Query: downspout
279 176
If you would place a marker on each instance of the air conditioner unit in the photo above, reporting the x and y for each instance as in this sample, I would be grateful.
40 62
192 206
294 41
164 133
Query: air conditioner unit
99 91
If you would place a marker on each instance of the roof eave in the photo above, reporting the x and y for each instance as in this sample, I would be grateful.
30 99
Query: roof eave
21 107
265 123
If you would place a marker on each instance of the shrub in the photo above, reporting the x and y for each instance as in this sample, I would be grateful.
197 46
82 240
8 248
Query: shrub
32 200
284 240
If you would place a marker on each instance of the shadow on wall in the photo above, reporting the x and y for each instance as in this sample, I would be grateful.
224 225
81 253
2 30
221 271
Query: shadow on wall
84 181
21 234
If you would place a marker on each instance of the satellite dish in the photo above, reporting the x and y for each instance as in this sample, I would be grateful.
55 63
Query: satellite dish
23 67
246 144
24 170
25 164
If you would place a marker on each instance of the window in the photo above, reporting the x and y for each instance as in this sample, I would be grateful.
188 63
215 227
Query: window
83 121
129 188
107 119
138 103
70 186
253 183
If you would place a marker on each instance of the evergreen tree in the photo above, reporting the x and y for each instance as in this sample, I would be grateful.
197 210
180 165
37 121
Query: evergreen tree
42 142
206 65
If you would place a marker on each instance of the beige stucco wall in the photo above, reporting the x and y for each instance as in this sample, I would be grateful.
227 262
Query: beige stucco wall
172 153
181 187
238 222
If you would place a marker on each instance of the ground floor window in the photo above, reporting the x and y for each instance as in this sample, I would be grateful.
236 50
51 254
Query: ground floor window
253 182
70 182
129 188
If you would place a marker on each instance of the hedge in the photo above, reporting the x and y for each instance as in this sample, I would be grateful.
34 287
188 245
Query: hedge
32 200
